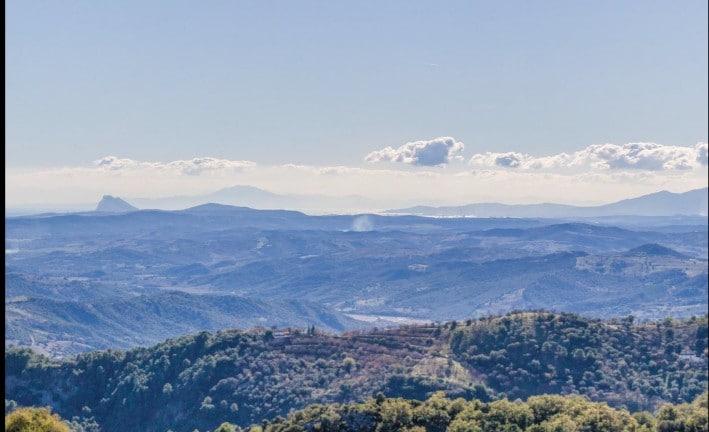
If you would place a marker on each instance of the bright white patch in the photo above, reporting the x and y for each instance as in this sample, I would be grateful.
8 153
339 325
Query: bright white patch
193 166
362 224
436 152
418 267
630 156
701 149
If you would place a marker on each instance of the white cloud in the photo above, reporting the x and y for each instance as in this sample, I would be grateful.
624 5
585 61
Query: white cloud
630 156
194 166
594 175
701 149
114 163
436 152
645 156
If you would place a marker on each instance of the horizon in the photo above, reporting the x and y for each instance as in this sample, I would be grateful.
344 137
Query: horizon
198 200
430 172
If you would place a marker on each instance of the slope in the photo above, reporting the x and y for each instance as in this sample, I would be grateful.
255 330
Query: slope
241 377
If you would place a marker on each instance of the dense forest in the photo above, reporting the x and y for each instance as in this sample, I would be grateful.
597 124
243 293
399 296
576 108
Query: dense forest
246 377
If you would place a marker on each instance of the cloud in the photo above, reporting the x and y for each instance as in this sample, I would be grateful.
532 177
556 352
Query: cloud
194 166
113 163
631 156
197 165
505 177
436 152
511 159
645 156
519 160
701 149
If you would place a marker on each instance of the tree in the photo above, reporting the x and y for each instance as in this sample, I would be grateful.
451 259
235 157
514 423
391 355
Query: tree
225 427
34 420
349 364
396 415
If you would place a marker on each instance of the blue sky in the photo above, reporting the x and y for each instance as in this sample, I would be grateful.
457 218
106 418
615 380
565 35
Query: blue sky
325 84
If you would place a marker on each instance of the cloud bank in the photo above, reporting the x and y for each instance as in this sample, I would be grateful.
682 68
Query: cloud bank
631 156
436 152
194 166
596 174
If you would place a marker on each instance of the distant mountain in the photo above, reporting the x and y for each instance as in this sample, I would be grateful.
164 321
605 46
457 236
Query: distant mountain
249 196
662 203
111 204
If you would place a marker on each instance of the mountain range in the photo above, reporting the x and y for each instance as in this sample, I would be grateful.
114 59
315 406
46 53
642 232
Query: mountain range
249 196
662 203
341 308
84 281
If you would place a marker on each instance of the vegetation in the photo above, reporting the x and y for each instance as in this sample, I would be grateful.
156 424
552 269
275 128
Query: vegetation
623 363
34 420
209 381
545 413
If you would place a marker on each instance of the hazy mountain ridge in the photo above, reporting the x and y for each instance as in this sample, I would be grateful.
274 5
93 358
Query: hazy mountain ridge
250 196
663 203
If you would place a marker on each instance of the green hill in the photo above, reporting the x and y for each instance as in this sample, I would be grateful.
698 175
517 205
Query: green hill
244 377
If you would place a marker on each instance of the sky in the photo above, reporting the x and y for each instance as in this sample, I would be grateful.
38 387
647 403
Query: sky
432 102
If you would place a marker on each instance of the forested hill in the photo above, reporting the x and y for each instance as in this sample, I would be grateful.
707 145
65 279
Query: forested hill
202 380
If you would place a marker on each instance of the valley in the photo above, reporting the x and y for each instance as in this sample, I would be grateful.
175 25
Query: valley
98 280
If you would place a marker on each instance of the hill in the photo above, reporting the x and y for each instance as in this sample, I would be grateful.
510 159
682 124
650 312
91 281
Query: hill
654 250
125 322
242 377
